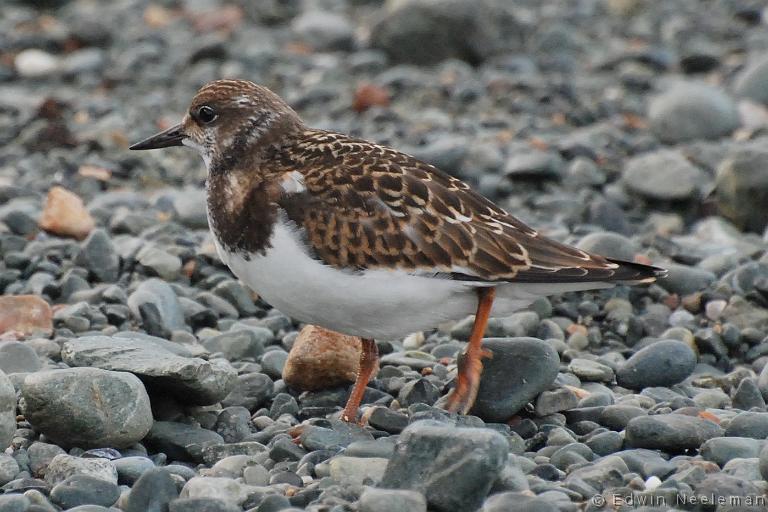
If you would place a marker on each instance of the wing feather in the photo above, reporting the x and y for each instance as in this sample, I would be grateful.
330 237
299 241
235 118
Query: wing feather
367 206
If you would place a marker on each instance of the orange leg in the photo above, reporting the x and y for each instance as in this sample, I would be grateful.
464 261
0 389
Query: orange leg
369 357
462 398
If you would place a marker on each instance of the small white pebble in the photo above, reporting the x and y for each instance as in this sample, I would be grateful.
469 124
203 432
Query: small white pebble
413 341
714 309
652 483
33 63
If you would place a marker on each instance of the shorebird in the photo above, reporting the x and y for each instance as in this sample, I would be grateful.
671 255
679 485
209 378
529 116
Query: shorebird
363 239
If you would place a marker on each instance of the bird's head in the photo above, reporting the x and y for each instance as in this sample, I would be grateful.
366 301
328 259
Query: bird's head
228 121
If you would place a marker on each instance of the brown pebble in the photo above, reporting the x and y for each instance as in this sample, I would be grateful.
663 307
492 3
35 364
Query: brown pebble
369 95
25 314
65 214
321 359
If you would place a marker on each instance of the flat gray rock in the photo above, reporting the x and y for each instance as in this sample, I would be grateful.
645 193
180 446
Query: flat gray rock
190 380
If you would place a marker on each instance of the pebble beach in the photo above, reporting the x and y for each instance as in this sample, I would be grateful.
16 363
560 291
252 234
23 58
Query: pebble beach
137 374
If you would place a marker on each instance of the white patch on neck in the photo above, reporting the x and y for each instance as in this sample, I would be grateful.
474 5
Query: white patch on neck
293 182
200 149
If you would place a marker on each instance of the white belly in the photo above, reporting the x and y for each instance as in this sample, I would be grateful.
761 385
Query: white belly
379 304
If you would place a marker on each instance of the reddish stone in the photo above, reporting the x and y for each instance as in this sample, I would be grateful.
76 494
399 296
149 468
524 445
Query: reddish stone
24 315
322 359
369 95
65 214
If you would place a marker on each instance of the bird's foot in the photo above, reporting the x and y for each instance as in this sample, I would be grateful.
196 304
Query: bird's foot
461 399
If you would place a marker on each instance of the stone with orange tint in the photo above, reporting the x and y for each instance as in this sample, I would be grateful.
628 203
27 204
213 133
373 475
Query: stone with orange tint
65 214
25 314
321 359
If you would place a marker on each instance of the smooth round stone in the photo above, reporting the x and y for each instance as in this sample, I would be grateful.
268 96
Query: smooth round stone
324 30
520 369
87 407
18 357
256 475
153 491
517 502
605 443
388 500
685 280
98 255
41 454
749 424
273 503
673 432
722 449
690 111
224 489
611 245
664 363
9 468
589 370
273 362
453 467
722 487
664 175
180 441
203 504
251 391
239 343
742 189
616 417
388 420
14 503
752 82
84 490
129 469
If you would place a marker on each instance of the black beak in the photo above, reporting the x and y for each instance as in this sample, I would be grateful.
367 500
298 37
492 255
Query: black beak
165 139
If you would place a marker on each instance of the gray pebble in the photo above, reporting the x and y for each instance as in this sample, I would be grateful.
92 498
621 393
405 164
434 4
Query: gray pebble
663 363
673 432
520 369
87 407
427 456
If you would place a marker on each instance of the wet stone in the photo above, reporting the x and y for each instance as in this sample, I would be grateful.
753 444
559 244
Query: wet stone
673 432
663 363
520 369
425 453
180 441
87 407
84 490
152 492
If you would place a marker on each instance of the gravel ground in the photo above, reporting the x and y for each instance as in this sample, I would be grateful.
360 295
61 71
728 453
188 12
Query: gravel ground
138 374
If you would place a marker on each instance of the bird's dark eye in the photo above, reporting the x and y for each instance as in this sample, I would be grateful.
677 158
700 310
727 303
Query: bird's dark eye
206 114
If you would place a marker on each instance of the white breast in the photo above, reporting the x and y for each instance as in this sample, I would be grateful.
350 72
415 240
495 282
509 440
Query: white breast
379 304
374 304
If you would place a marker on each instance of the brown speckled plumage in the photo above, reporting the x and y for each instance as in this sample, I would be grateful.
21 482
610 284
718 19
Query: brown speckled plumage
368 206
315 221
362 206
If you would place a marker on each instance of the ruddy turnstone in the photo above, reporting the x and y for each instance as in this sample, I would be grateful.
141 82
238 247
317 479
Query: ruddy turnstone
363 239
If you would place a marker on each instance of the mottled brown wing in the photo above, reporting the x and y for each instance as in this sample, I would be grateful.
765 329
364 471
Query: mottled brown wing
365 206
